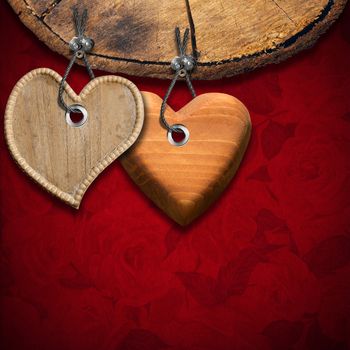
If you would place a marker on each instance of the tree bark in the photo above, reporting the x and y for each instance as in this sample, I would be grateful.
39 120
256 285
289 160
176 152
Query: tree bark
137 37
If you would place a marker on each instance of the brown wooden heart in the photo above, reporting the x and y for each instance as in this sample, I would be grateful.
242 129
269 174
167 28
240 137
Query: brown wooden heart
184 181
64 159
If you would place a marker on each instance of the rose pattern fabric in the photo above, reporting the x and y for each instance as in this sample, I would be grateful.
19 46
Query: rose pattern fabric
267 267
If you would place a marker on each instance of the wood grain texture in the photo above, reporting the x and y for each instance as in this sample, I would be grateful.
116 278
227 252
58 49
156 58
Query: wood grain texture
63 159
137 37
184 181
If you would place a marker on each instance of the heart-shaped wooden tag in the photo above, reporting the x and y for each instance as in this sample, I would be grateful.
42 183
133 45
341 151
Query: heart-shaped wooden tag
184 181
61 157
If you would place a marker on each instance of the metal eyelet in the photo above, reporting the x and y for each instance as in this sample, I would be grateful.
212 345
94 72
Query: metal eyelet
81 109
184 140
182 73
80 54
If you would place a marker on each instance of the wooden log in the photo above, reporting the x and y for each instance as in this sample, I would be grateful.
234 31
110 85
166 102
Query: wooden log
137 37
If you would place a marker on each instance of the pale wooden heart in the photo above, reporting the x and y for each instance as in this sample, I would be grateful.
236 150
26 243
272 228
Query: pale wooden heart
63 159
184 181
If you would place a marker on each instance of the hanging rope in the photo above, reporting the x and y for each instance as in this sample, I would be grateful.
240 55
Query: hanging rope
195 52
182 65
80 45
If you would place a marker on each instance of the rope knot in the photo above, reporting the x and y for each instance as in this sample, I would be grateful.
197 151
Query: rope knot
80 44
183 63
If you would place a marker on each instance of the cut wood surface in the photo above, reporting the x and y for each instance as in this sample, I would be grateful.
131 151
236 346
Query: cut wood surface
183 181
137 37
62 158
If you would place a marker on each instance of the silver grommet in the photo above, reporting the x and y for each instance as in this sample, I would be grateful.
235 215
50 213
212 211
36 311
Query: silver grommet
184 140
80 54
82 110
182 73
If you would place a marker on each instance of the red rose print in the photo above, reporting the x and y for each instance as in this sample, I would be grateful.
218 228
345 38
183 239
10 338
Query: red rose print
311 180
139 339
316 339
260 174
267 267
334 315
123 264
271 85
232 279
273 232
329 255
274 136
280 288
283 334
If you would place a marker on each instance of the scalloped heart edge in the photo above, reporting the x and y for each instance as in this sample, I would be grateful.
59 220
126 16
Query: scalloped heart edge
73 200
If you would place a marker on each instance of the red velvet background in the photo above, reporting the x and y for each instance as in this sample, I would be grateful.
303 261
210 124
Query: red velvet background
267 267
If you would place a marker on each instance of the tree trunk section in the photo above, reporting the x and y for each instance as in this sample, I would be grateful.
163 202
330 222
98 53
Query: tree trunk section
137 37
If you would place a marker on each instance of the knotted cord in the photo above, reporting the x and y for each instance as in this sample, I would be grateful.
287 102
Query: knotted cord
80 45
